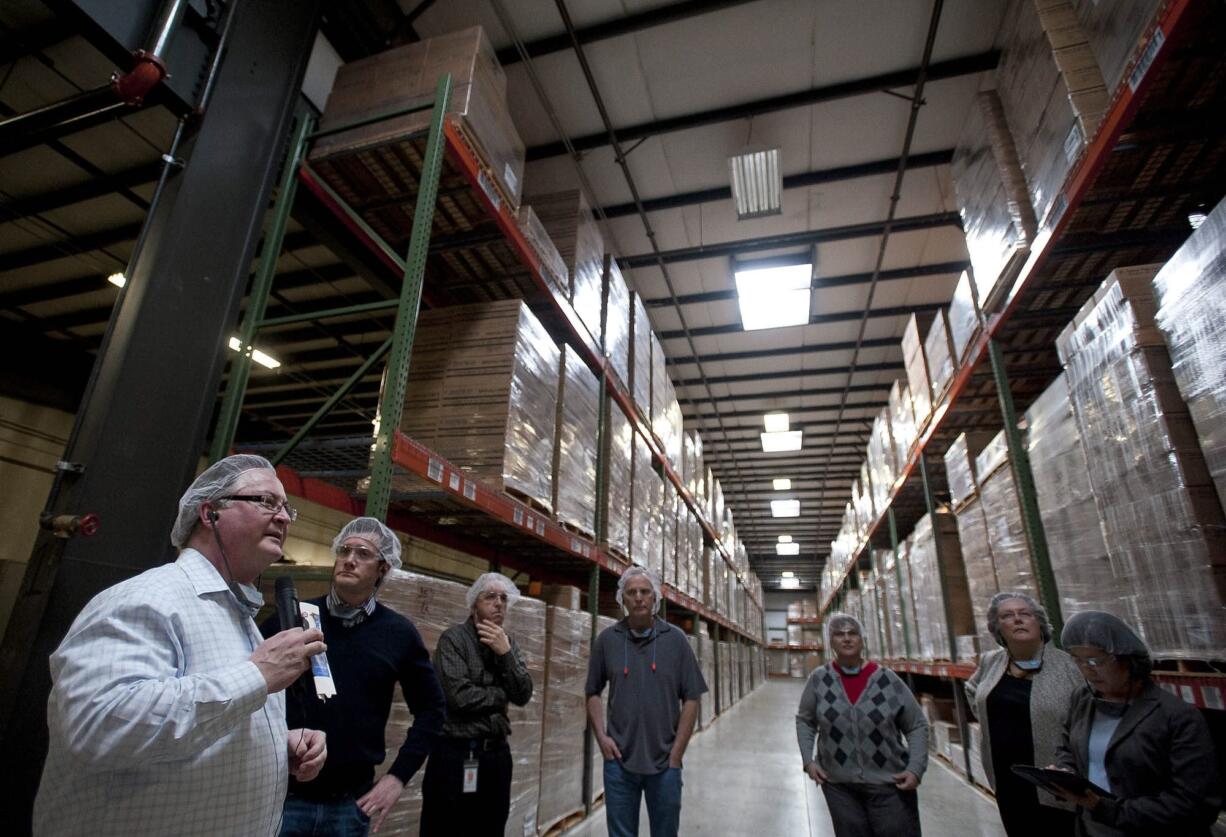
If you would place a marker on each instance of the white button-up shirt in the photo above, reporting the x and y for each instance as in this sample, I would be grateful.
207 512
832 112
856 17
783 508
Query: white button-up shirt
159 721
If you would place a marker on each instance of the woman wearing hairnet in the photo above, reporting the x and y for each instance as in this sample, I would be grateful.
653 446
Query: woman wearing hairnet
1021 693
859 713
1146 746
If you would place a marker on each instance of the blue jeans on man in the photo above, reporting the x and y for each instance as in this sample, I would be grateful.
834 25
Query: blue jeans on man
340 817
623 792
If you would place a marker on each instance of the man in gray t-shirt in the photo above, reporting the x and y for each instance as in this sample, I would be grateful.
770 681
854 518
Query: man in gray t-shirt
654 686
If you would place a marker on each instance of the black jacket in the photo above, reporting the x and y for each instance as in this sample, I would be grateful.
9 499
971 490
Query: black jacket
1160 762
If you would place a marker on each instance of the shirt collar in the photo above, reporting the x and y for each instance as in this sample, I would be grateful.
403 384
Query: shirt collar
203 576
658 625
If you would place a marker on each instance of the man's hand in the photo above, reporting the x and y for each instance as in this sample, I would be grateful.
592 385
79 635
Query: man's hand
674 761
608 748
308 749
816 773
494 636
283 657
905 781
379 800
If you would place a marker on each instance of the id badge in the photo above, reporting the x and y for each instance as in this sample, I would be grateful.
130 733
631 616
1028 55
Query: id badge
470 775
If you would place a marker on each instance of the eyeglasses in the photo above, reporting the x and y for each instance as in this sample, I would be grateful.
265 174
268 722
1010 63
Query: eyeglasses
268 502
639 593
1092 662
359 553
840 634
492 596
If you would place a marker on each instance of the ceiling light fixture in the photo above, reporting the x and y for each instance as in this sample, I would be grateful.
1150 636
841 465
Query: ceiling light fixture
775 422
785 539
789 583
788 574
787 549
779 442
773 297
782 484
1195 219
259 357
757 183
785 508
117 279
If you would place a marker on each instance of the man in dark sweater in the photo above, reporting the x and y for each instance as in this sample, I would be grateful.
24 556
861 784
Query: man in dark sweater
467 786
371 648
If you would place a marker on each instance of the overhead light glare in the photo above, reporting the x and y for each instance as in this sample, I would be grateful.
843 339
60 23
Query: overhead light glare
789 583
787 549
782 484
1195 219
787 574
773 297
757 183
779 442
117 279
267 361
775 422
785 539
785 508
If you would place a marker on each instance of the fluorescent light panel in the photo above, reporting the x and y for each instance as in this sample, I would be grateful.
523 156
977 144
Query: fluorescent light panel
789 583
785 508
785 539
757 183
117 279
773 297
787 549
259 357
788 574
779 442
782 484
775 422
1195 219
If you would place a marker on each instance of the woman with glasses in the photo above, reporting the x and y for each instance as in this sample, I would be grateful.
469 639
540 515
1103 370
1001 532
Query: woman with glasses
859 714
1128 736
1021 693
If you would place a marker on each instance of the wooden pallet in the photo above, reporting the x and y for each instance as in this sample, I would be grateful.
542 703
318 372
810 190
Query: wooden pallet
565 823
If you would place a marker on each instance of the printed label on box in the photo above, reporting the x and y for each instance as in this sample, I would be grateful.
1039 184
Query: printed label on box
453 482
487 186
470 490
1213 697
508 174
434 470
1146 60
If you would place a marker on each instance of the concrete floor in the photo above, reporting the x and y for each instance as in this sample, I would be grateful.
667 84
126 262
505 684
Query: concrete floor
743 779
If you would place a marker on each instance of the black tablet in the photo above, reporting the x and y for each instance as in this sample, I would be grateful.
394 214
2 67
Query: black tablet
1049 779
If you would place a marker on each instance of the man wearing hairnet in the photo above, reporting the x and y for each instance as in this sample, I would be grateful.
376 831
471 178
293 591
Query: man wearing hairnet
167 710
654 687
371 648
467 787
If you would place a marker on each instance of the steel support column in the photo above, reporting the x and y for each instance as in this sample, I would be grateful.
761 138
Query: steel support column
1019 459
140 431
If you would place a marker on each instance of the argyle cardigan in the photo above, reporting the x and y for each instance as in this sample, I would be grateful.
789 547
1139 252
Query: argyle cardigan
862 742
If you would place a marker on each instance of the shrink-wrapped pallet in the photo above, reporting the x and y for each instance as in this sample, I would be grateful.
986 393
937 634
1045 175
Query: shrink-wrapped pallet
728 695
892 609
981 580
700 487
1191 290
882 465
902 422
568 637
572 226
706 661
1162 520
995 206
1002 510
935 559
1078 554
618 477
482 393
668 535
1115 32
1052 93
646 499
553 266
603 623
963 318
574 465
940 356
958 473
640 356
615 320
918 380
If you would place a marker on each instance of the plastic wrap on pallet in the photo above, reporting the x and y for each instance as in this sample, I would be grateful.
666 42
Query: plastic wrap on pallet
917 373
902 422
618 477
1052 94
602 623
701 485
572 226
553 266
642 502
717 501
615 320
894 608
1078 554
687 462
1162 520
1002 510
668 534
940 355
963 318
482 393
883 468
574 480
640 355
709 559
981 580
1115 32
406 76
706 706
958 471
567 641
1191 291
936 571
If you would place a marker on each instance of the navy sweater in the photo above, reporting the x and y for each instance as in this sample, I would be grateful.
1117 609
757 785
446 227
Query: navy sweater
367 661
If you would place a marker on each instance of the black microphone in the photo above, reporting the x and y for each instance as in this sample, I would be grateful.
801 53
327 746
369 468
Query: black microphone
287 603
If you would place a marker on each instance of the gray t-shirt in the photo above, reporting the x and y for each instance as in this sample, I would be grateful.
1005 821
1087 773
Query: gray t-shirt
644 704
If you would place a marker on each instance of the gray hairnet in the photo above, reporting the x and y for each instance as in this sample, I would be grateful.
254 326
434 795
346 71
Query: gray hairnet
1040 613
215 481
1097 629
479 586
841 621
368 528
635 572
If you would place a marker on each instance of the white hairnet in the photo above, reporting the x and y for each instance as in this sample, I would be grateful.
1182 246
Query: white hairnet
635 572
1040 615
368 528
1097 629
842 621
479 586
215 481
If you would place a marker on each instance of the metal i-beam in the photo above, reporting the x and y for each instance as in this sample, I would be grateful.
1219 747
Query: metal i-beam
790 373
808 349
953 68
815 319
871 404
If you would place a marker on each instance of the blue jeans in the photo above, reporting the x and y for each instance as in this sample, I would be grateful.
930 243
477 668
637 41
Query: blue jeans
340 818
623 790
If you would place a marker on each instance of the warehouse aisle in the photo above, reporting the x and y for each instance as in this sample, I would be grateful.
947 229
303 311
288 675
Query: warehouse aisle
743 779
